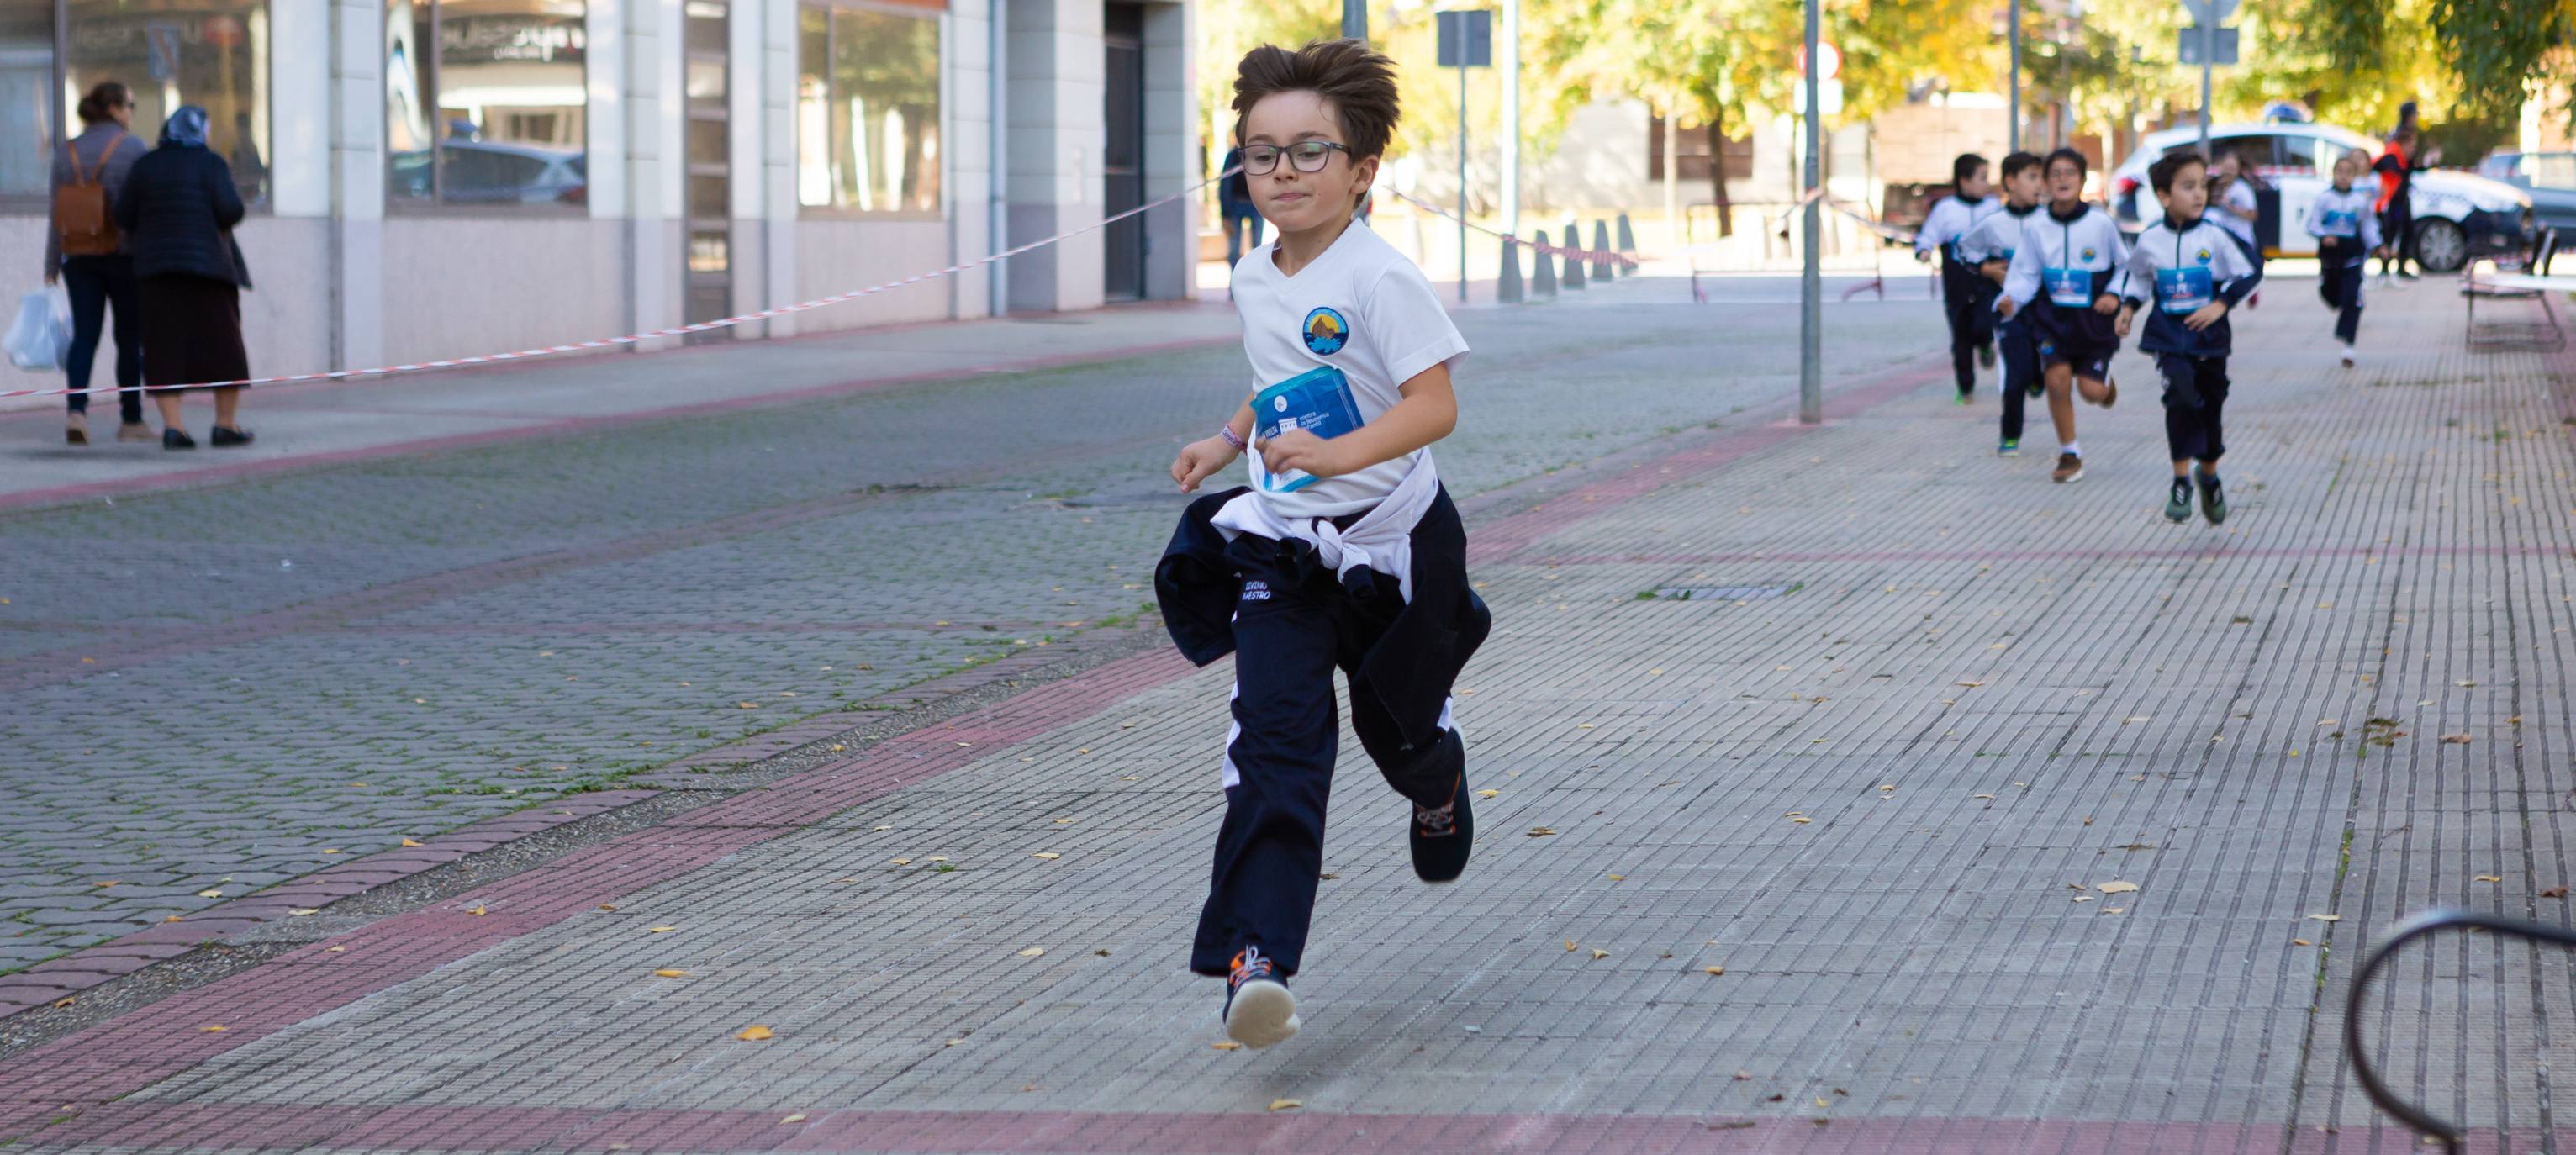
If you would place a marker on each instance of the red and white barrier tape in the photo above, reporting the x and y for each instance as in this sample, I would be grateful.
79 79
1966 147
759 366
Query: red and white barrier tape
631 338
1588 256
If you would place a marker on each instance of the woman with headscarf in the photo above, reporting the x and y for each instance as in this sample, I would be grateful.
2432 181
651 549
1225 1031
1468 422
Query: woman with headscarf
177 211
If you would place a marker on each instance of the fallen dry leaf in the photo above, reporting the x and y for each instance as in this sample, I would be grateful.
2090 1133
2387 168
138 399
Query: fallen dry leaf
660 929
1569 944
1541 831
1618 878
899 862
1713 970
210 894
337 950
1226 1045
2115 910
670 974
478 911
304 911
410 842
2554 892
1489 794
607 906
2083 898
2118 888
2301 942
1598 955
1048 855
1285 1104
755 1033
792 1119
1033 952
64 1001
2491 878
2326 917
214 1028
1970 685
1987 797
2455 739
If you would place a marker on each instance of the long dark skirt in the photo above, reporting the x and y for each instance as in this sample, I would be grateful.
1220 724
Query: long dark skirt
192 332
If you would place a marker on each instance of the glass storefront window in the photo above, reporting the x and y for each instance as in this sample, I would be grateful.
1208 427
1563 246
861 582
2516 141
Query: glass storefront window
26 108
210 53
867 109
485 102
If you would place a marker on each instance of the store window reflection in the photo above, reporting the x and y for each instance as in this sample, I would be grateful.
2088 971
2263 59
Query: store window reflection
26 114
867 109
211 53
484 102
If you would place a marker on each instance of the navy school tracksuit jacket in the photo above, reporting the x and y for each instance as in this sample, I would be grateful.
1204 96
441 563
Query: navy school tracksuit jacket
1413 664
2177 269
2062 266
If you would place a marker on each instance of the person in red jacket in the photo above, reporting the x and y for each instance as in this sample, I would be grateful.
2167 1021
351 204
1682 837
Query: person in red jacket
2397 166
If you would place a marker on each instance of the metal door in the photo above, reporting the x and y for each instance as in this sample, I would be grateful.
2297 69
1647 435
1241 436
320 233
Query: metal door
708 144
1123 153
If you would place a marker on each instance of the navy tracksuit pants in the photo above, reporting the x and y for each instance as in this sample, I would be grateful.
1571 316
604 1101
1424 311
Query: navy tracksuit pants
1967 302
1295 623
2340 285
2195 399
2018 347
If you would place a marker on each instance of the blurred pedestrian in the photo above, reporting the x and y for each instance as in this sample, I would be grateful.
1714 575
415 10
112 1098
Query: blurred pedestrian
2235 208
1234 204
2347 233
87 255
2397 166
178 210
1967 299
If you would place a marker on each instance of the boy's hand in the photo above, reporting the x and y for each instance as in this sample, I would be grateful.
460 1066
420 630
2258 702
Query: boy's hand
2121 326
2205 316
2107 305
1299 449
2006 307
1922 256
1200 459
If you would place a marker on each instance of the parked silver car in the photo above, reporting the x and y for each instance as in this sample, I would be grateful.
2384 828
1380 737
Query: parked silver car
2548 178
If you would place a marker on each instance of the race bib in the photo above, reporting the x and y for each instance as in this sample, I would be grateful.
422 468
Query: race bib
1318 401
2340 223
2183 290
2069 288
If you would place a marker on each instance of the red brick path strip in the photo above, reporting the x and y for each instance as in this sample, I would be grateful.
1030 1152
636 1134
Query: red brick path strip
474 1129
124 1055
54 979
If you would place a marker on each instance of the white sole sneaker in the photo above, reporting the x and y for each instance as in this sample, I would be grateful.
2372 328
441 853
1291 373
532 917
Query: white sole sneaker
2346 357
1263 1014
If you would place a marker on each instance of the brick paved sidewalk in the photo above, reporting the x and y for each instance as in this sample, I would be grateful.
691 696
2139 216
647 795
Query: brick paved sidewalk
1881 784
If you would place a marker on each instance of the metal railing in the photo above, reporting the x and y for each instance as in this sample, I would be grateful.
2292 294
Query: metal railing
2426 923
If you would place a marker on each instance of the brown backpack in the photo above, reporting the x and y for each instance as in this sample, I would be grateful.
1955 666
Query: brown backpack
80 208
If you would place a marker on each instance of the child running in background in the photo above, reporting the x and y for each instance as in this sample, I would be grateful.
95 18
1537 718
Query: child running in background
2235 208
2062 273
1966 298
2345 223
2191 272
1989 249
1345 551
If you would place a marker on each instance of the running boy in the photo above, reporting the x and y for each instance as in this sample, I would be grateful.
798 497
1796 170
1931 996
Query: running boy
1345 550
2193 273
2073 251
1966 298
1989 249
2233 206
2346 226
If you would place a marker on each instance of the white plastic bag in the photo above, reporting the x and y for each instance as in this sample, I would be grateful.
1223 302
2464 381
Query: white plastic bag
40 339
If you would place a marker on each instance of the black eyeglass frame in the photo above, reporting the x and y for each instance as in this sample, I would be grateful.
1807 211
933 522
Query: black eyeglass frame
1252 167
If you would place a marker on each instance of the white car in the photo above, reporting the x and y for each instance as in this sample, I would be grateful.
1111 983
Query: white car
2459 217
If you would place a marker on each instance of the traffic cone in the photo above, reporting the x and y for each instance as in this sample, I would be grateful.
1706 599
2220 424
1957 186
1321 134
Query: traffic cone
1573 261
1602 264
1507 285
1627 243
1542 273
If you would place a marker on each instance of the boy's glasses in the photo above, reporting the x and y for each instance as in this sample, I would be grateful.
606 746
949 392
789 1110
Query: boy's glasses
1306 155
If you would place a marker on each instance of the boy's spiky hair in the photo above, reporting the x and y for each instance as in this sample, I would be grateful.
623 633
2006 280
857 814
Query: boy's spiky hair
1359 83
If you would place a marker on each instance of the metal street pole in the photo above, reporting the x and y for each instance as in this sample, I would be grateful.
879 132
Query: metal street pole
2015 33
2208 48
1511 117
1811 285
1462 162
1355 20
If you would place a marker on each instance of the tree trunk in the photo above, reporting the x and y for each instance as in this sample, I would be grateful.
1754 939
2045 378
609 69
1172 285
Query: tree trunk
1717 172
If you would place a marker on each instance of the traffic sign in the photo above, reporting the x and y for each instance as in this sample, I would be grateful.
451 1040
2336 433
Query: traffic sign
1833 59
2222 46
2209 11
1468 31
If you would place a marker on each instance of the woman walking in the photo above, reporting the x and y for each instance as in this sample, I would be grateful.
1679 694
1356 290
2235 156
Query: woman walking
178 210
86 254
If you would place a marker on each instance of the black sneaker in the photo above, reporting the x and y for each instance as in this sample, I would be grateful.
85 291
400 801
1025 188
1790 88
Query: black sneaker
177 439
1259 1011
2178 502
1986 356
2213 499
229 438
1442 837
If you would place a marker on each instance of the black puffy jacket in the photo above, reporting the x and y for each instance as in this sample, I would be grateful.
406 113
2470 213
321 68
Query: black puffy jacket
176 211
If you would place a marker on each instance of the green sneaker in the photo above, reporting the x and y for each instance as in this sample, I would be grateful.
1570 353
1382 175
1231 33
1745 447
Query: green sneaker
2008 447
2213 499
1963 399
2178 502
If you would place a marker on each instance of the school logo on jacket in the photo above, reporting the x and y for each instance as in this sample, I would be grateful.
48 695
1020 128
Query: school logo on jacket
2088 252
1327 332
2204 256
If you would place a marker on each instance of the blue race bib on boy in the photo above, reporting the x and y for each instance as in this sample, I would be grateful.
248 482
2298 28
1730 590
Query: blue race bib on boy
2185 290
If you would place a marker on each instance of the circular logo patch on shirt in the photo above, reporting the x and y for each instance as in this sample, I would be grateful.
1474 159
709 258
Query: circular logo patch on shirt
2204 256
1327 332
2088 252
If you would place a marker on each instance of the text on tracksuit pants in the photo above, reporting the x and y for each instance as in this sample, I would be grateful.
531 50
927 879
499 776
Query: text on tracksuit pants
2340 285
1295 623
2195 399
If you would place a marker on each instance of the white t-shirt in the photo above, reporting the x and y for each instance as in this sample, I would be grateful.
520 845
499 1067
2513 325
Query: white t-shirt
1362 308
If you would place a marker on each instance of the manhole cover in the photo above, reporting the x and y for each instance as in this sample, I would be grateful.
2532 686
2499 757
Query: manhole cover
1721 593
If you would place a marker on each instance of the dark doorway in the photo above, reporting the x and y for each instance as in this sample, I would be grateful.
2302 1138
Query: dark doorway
709 188
1122 157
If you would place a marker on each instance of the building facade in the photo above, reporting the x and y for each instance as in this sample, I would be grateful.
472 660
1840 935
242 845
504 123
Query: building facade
433 178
